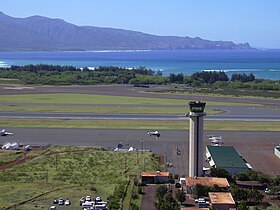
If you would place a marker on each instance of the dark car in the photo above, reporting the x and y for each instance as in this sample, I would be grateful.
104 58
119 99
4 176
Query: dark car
178 185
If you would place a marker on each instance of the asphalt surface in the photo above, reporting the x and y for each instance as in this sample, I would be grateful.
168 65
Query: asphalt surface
247 116
256 147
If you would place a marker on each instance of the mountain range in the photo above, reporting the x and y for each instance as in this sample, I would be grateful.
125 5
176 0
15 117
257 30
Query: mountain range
39 33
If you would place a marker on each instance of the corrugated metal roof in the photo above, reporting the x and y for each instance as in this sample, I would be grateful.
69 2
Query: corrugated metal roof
221 198
207 181
226 156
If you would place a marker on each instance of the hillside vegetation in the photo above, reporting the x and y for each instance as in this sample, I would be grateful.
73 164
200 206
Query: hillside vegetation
68 172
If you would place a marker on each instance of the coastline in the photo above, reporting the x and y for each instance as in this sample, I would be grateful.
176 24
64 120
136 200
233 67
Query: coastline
262 63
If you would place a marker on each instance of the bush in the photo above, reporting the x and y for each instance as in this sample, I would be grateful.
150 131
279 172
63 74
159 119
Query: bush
140 189
93 189
134 195
133 206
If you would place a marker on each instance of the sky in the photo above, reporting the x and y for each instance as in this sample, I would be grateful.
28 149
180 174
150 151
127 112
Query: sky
240 21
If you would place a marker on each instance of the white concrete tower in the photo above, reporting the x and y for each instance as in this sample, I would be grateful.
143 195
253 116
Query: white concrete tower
196 115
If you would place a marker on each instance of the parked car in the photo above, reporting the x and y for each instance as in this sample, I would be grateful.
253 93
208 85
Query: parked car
67 202
88 208
199 200
98 199
88 198
60 201
52 208
178 185
55 201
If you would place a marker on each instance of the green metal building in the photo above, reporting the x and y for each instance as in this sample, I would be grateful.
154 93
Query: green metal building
226 157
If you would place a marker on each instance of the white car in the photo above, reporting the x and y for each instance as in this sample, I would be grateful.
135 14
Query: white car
200 200
88 198
67 202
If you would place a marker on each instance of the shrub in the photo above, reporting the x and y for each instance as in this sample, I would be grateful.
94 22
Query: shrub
93 189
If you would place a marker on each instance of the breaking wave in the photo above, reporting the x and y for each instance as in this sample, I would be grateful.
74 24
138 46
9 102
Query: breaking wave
3 64
232 70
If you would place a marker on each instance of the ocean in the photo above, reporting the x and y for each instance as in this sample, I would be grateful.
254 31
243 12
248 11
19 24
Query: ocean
262 63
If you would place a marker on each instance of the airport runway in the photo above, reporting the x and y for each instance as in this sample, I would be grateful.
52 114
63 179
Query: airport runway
91 116
129 90
256 147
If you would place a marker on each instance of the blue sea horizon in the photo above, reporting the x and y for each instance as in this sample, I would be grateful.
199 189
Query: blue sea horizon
262 63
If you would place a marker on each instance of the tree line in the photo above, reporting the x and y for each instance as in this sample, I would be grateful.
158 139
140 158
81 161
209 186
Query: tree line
42 74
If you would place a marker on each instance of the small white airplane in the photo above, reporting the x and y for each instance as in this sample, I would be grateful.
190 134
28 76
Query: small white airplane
216 139
3 132
154 133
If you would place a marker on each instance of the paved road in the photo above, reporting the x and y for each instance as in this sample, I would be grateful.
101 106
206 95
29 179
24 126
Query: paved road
90 116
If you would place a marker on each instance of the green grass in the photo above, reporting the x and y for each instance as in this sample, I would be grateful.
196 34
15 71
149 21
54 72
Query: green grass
101 109
8 156
69 174
232 93
7 81
137 124
136 199
99 99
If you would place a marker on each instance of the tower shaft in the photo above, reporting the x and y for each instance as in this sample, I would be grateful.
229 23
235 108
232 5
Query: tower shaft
196 145
196 115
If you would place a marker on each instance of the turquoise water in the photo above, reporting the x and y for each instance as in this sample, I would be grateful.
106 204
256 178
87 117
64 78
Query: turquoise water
262 63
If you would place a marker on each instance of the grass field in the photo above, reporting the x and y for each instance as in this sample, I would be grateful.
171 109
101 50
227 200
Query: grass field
137 124
68 172
99 99
8 156
232 93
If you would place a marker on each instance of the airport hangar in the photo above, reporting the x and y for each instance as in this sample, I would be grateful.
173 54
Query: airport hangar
226 157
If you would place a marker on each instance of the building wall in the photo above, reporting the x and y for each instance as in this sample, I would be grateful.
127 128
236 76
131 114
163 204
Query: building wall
223 206
155 179
161 179
148 179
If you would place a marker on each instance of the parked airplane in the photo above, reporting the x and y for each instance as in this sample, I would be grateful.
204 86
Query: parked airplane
154 133
216 139
3 132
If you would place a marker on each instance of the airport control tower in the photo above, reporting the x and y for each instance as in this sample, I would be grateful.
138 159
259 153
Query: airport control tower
196 115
